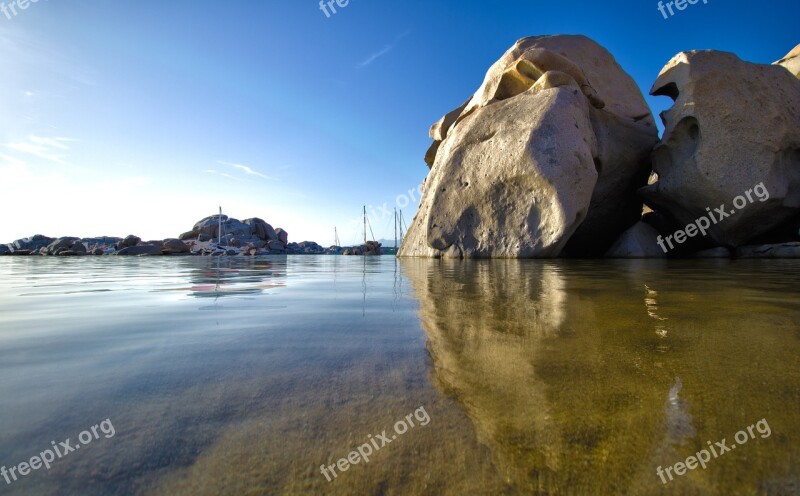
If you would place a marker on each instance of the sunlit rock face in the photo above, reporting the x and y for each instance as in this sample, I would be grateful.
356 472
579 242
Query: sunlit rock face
734 125
791 61
585 381
549 151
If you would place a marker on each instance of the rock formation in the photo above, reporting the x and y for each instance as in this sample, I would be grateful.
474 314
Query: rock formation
734 125
252 236
640 241
791 61
552 146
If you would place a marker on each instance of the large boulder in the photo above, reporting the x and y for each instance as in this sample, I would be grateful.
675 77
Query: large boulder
128 241
5 250
174 246
141 250
276 246
78 247
640 241
208 226
730 152
553 145
283 236
32 243
61 244
791 61
261 229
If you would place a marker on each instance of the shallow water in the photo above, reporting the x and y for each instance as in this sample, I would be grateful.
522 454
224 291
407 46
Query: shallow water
243 376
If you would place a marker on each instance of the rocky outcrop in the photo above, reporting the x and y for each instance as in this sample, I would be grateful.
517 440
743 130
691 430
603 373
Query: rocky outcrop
262 230
791 61
31 244
253 236
553 144
783 250
138 250
306 248
61 245
174 246
370 248
283 236
128 241
731 141
640 241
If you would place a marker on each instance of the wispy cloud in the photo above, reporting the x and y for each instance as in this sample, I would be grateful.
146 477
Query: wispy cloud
50 149
212 171
383 51
247 170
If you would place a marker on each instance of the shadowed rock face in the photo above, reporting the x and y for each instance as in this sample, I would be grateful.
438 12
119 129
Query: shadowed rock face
550 149
734 125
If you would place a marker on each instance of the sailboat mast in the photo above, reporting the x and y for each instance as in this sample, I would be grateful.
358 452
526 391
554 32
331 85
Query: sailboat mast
219 231
365 224
395 228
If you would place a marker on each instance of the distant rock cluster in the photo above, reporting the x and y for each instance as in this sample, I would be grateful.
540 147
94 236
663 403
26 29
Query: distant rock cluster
248 238
557 155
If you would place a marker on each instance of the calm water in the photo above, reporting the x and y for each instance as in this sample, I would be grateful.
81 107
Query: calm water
242 376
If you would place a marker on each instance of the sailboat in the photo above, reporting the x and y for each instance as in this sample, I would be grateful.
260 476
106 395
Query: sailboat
369 248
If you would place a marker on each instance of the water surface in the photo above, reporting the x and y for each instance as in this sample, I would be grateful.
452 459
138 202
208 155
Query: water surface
243 376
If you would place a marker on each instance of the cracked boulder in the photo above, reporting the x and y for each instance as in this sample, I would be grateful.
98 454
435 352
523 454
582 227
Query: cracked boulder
546 155
731 145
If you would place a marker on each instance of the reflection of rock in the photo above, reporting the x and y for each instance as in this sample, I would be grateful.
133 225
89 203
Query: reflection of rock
487 326
734 127
553 145
568 371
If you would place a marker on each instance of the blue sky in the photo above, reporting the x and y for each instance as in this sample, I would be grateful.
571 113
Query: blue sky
142 117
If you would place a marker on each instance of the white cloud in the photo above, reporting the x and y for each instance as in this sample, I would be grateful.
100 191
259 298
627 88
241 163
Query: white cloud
50 149
247 170
212 171
383 51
